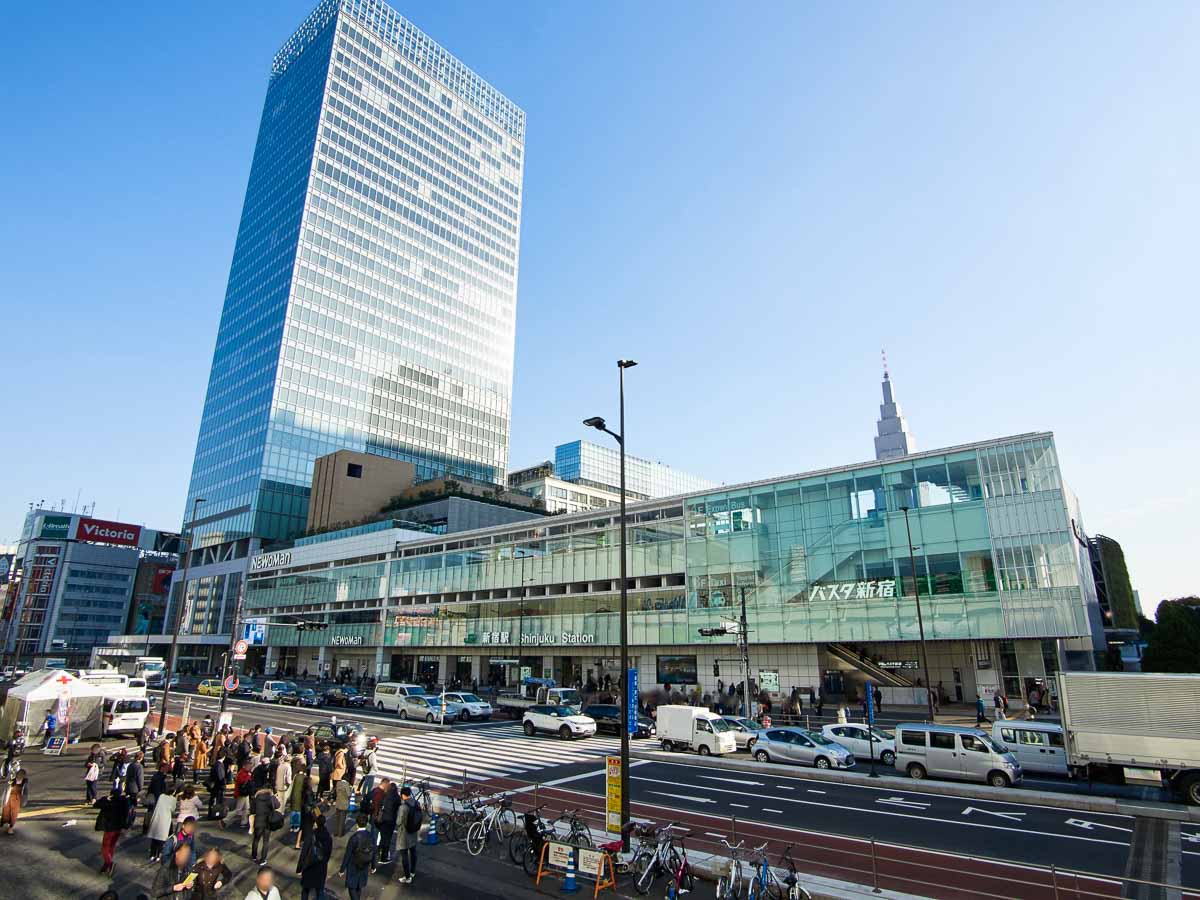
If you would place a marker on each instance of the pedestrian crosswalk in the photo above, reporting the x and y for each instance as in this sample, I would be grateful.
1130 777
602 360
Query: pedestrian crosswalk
501 752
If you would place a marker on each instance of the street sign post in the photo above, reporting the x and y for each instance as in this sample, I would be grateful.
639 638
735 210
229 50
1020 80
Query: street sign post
612 784
631 703
240 648
232 684
871 725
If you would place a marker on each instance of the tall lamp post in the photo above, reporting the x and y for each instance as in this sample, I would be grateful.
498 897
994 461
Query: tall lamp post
599 424
912 562
187 558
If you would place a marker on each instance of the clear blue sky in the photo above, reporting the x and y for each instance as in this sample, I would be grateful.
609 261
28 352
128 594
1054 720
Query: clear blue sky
749 204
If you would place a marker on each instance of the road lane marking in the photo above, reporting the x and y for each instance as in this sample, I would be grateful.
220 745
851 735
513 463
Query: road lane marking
683 797
784 787
811 791
870 787
780 811
925 817
1011 816
740 805
1088 826
733 780
53 810
900 801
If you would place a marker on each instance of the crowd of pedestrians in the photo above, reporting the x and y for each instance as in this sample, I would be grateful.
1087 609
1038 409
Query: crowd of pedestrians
306 791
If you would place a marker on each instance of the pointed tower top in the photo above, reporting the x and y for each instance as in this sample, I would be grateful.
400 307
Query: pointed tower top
892 438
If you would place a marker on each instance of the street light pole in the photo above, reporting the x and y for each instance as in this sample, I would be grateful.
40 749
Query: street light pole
187 559
599 424
912 562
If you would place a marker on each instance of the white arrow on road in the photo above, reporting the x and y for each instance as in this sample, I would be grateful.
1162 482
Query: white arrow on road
1088 826
900 801
1190 838
733 780
1011 816
683 797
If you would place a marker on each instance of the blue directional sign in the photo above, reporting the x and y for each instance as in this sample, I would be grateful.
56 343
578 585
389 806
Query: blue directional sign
631 702
870 703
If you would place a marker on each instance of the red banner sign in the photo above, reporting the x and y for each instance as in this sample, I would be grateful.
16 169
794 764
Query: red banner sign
102 532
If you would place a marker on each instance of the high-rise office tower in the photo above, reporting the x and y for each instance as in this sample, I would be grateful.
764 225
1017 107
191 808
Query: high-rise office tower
372 296
892 437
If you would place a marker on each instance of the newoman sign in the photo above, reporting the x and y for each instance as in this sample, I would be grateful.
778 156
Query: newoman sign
271 560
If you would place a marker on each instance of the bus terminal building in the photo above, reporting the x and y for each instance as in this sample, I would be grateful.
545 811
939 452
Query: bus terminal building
823 561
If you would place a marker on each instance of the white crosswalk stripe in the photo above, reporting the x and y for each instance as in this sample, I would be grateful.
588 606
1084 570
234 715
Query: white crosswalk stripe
442 757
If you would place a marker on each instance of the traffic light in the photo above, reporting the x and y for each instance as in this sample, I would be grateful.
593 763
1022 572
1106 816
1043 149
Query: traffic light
716 669
712 632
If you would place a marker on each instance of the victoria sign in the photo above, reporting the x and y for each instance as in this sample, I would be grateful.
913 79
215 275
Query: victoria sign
102 532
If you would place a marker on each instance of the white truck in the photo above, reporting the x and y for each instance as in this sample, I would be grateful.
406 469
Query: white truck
1134 721
691 728
539 692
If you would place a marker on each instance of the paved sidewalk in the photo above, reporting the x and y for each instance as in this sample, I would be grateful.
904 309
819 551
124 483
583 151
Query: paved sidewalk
55 852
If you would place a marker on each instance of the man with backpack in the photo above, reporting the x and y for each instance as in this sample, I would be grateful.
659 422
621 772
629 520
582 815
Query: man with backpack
409 822
359 859
265 803
367 767
243 789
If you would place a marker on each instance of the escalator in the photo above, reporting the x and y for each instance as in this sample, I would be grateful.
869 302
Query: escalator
878 674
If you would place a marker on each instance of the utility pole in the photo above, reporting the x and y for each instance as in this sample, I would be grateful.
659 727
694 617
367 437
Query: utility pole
226 662
183 589
912 563
744 646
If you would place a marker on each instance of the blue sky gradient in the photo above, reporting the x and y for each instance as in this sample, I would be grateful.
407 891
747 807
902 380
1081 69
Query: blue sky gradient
751 201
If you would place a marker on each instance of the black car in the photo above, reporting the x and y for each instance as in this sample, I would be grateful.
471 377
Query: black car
609 716
309 697
345 696
350 735
288 697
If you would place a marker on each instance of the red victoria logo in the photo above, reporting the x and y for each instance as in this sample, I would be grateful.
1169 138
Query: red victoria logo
108 532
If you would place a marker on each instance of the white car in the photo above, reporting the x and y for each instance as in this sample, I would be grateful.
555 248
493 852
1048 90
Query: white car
476 707
557 720
853 737
429 708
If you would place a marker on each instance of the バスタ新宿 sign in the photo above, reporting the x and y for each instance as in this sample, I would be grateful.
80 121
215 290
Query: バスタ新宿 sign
854 590
101 532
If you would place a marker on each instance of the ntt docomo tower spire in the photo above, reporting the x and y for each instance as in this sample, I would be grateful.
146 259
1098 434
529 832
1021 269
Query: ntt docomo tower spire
371 302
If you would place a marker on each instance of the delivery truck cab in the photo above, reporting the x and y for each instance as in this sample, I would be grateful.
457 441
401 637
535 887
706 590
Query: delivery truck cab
694 729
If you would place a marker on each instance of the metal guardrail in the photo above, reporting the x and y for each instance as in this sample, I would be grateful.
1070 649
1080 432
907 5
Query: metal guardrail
899 867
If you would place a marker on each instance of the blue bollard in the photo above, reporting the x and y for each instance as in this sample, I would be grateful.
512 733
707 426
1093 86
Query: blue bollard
569 886
431 836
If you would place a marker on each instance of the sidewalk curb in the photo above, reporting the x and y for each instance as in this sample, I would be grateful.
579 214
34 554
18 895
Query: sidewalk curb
1109 805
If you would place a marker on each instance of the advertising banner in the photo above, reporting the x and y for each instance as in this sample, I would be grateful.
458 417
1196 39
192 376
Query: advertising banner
612 791
58 527
100 531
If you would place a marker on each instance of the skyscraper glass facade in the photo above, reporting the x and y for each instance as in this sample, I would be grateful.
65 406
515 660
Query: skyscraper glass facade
587 463
372 296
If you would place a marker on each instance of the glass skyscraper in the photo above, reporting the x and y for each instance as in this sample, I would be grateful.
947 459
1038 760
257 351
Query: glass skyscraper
371 301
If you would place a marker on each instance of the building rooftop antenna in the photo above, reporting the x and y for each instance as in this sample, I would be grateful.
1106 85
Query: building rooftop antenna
886 377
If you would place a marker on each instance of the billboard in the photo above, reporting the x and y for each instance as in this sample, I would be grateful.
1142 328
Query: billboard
676 670
57 527
102 532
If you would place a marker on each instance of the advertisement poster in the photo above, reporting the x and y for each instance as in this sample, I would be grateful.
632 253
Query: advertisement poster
612 785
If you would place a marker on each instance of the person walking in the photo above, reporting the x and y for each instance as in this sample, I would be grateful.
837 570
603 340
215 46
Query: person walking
199 758
878 698
820 701
409 822
216 788
211 875
998 706
264 886
341 806
50 723
339 770
112 819
90 777
324 769
367 767
282 779
189 804
133 783
359 858
313 865
243 790
16 796
160 822
265 802
386 813
980 711
184 837
172 875
309 809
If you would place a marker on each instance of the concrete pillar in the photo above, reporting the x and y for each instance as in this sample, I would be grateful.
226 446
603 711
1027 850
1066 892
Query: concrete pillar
269 663
380 665
321 659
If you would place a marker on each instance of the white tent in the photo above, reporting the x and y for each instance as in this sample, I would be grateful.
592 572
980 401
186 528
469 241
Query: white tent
37 693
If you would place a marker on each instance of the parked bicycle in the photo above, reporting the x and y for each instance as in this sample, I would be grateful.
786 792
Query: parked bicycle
577 831
729 885
499 821
667 859
525 845
766 885
466 808
423 794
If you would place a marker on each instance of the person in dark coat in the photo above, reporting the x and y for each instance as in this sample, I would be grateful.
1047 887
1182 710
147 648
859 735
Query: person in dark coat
387 811
211 875
359 859
261 806
157 787
172 873
314 861
216 787
112 819
324 769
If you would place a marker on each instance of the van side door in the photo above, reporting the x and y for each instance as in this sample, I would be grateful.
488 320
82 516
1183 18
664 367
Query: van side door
942 755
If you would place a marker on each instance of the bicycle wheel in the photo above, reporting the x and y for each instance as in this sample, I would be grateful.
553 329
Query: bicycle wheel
443 828
477 837
506 823
518 843
645 879
461 825
687 878
734 886
531 860
426 801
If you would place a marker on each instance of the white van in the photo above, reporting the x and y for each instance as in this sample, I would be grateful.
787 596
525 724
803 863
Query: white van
693 728
952 751
388 695
1038 746
272 689
125 714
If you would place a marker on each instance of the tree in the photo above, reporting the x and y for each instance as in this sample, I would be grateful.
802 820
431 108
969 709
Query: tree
1174 646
